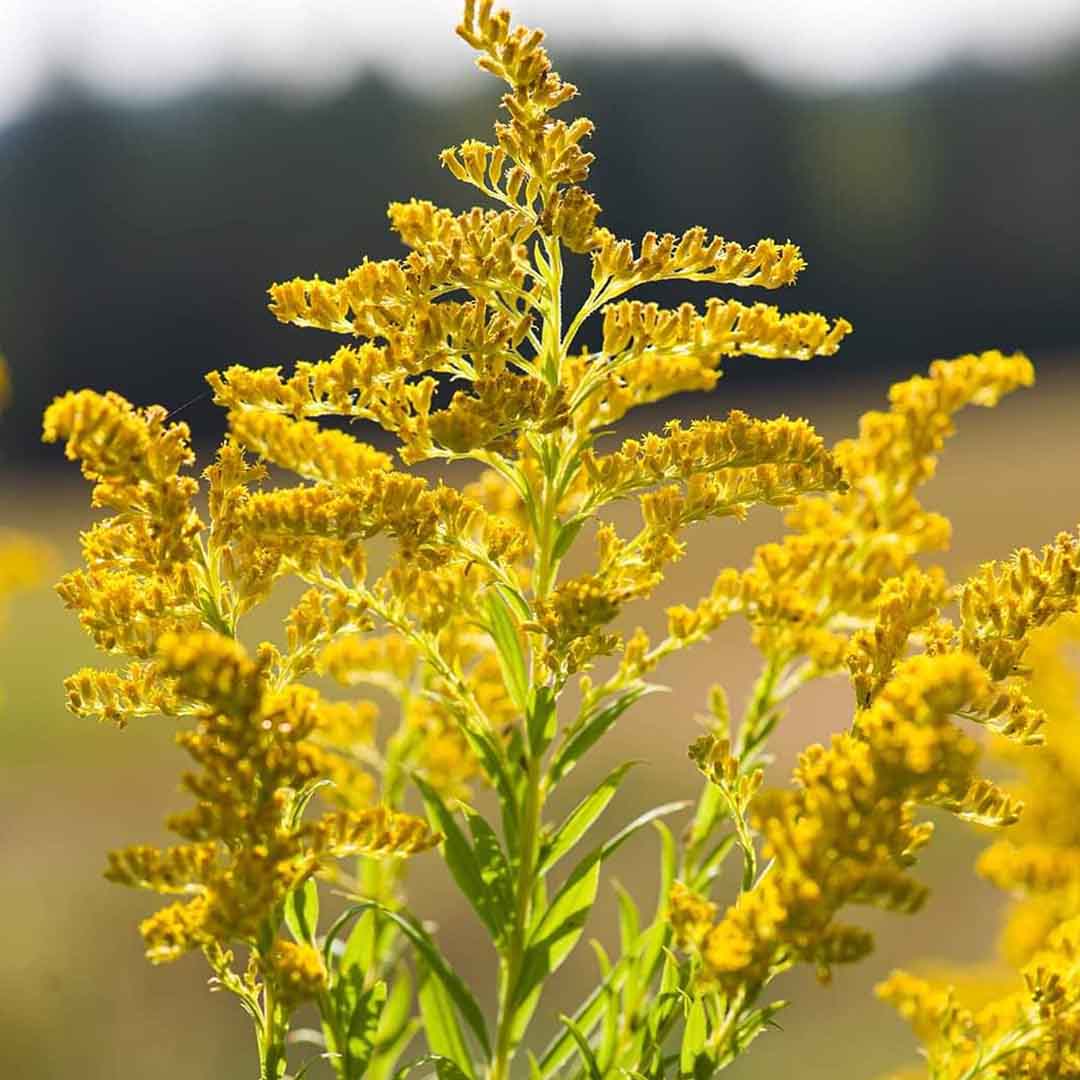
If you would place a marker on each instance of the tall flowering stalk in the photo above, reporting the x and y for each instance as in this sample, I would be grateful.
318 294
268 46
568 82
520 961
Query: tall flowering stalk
467 349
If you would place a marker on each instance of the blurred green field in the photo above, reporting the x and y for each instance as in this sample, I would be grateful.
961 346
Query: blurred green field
78 1000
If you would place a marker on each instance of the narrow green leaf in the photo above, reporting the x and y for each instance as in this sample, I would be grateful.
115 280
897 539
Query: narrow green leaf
650 951
458 992
565 537
581 817
638 823
591 728
302 912
587 1016
396 1013
301 800
751 1026
445 1068
504 632
586 1051
441 1026
361 946
361 1028
463 862
669 863
610 1033
491 756
348 985
711 864
560 925
397 1026
494 866
541 720
306 1067
384 1063
669 980
629 919
693 1041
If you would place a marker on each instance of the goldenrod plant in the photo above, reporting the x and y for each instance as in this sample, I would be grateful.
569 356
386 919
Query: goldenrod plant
505 670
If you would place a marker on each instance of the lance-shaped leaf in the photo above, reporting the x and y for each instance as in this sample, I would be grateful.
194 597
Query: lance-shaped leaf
472 878
559 926
457 992
302 912
591 727
582 817
503 629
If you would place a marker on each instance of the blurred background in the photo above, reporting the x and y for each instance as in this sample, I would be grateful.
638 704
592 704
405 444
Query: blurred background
161 165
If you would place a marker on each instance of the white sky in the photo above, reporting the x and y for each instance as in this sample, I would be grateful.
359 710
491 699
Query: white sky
149 49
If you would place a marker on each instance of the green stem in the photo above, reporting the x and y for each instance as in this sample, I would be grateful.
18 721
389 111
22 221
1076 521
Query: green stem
272 1058
759 717
545 568
507 1036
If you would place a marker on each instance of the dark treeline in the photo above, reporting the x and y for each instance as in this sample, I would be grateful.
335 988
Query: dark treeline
136 244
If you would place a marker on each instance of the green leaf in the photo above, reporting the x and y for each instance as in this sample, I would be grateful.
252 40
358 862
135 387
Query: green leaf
629 919
445 1068
710 865
588 1015
581 817
464 863
590 728
693 1041
504 632
457 991
669 862
587 1055
397 1027
334 932
750 1027
301 800
565 537
302 912
396 1014
610 1034
541 720
491 757
361 946
650 950
304 1069
560 925
494 866
361 1027
441 1027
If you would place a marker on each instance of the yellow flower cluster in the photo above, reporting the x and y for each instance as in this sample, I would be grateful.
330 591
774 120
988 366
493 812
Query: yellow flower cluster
242 854
845 589
1031 1034
299 971
846 833
837 565
1031 1028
